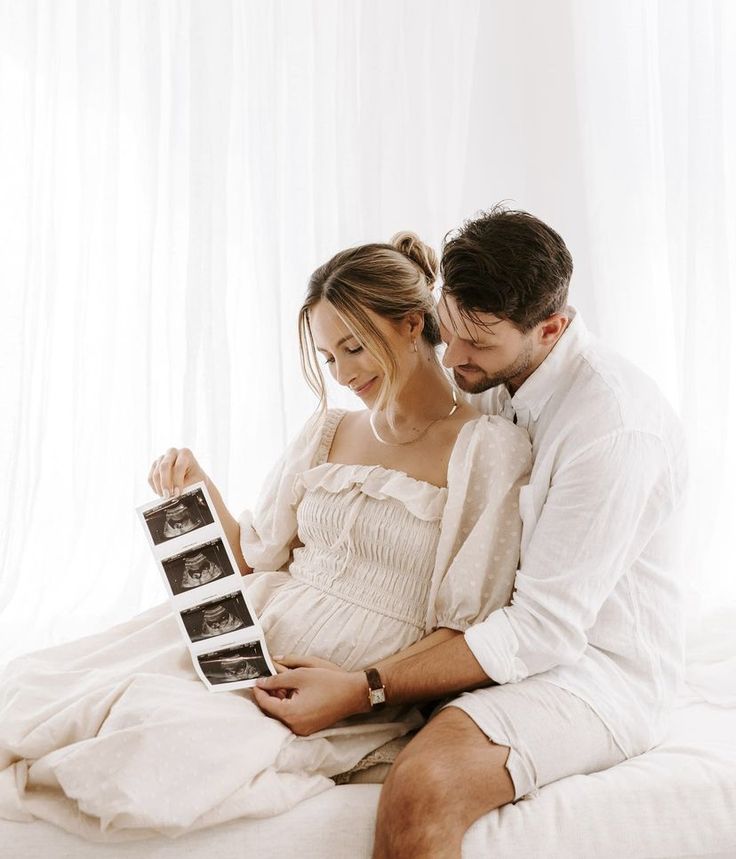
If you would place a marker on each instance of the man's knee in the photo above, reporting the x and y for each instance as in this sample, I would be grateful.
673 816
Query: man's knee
449 758
419 780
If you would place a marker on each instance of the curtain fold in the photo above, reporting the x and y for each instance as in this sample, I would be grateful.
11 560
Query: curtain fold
656 85
172 172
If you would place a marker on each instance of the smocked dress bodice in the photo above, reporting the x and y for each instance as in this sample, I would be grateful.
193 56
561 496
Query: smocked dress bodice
374 573
364 573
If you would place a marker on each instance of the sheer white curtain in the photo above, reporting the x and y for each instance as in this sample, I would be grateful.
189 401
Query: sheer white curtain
659 162
171 172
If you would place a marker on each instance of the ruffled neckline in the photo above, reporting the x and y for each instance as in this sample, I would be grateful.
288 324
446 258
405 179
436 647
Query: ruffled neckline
422 499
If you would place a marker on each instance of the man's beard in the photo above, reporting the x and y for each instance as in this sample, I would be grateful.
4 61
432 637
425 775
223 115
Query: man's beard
482 382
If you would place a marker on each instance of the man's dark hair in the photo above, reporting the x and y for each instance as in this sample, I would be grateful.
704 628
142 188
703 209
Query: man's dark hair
507 263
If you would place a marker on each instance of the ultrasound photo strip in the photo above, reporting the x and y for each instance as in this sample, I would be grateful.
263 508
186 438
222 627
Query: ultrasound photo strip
174 517
206 590
216 617
198 566
234 665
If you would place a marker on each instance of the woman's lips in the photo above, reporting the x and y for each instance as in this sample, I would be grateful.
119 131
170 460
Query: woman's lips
360 391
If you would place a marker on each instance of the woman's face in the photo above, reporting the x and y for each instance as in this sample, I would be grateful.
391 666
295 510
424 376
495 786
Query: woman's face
351 364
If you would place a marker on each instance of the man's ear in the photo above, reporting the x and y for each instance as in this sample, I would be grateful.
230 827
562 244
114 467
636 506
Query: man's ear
550 329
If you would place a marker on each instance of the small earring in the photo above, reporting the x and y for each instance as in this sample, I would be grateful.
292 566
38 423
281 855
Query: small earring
414 344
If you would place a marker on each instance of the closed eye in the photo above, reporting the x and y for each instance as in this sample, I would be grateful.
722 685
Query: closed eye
331 360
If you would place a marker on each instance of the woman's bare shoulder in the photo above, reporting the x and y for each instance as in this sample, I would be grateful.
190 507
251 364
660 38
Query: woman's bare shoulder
348 442
465 413
353 418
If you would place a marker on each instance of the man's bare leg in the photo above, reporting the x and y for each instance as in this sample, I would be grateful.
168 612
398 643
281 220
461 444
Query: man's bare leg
447 777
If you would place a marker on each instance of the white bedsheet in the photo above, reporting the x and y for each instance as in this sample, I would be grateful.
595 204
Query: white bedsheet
678 800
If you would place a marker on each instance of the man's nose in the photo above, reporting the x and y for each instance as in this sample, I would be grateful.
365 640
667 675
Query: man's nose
453 354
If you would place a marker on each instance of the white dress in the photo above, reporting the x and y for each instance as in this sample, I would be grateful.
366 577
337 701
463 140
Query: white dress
114 736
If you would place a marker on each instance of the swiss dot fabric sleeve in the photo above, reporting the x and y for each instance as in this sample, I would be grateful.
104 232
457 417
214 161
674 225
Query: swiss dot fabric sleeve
478 549
267 534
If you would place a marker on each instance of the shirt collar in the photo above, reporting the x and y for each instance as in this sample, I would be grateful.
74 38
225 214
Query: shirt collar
537 389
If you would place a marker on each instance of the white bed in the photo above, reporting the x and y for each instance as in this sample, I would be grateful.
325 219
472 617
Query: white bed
674 802
678 800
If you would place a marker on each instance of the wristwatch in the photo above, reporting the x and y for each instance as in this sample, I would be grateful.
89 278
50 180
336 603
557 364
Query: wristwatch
376 689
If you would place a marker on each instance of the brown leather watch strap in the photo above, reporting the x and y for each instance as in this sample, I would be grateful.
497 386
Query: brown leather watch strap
376 689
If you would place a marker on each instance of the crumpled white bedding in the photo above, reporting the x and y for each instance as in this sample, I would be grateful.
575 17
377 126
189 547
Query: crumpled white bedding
113 737
677 800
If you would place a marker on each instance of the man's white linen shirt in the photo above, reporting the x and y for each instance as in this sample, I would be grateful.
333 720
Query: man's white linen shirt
597 603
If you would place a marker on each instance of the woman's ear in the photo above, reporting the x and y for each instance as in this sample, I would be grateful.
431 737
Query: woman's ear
414 324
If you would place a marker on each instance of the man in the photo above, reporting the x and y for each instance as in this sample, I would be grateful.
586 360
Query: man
577 673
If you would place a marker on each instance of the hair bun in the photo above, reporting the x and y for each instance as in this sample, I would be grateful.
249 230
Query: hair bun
420 254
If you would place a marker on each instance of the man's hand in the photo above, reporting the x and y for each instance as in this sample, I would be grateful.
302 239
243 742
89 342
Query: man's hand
311 697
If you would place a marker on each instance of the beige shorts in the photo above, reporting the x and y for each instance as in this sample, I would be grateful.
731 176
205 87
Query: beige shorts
551 732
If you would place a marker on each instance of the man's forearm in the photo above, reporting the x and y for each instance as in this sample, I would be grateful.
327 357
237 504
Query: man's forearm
446 669
321 696
432 640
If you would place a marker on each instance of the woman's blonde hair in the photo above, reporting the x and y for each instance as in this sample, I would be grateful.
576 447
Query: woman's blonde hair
392 280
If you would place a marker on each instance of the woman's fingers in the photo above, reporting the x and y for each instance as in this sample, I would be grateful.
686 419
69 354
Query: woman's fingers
165 471
153 476
287 681
162 476
271 704
182 464
174 470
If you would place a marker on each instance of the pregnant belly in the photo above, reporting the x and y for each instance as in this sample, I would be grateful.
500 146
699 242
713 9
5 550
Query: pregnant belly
299 619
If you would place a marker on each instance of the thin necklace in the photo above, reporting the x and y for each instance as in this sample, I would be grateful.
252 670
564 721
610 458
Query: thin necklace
423 432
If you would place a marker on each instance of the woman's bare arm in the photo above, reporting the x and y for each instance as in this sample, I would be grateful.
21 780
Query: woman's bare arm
230 526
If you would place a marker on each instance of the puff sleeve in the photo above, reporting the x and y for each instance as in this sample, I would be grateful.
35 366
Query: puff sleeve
478 549
267 534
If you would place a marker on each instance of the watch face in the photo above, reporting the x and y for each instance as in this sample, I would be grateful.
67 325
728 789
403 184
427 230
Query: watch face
378 696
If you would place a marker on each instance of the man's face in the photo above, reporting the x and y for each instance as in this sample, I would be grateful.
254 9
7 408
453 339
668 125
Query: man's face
484 355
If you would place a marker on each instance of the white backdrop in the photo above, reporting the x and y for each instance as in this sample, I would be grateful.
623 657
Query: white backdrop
172 172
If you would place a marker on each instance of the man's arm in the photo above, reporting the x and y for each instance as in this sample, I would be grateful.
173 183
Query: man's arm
318 697
447 668
432 640
601 511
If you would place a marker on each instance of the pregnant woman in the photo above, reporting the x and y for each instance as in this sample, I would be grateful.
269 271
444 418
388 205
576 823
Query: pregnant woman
379 532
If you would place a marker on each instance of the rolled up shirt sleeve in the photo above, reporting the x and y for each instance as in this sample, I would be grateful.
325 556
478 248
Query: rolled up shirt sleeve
602 508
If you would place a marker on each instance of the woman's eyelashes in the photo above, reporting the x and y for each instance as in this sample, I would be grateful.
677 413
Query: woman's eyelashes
354 351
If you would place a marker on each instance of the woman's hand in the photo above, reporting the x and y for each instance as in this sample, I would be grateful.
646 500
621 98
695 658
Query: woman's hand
309 699
175 470
287 663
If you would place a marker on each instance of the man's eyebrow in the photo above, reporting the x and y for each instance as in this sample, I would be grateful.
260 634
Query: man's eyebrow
338 344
